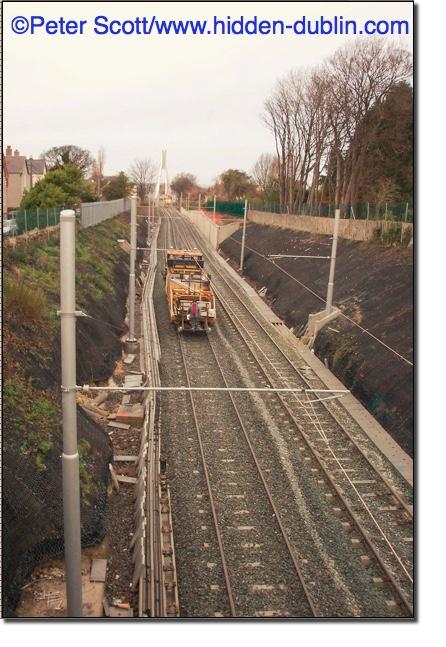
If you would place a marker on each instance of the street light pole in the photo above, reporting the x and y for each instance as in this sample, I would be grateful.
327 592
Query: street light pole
333 262
70 455
242 253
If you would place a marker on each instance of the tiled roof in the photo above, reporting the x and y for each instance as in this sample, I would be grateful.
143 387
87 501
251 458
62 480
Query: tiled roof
38 166
16 164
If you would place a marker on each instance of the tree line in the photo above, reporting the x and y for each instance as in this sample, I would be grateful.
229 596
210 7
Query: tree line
74 175
343 135
343 130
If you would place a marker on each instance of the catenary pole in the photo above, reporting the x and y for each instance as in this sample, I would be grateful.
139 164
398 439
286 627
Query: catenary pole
333 262
131 337
242 253
70 456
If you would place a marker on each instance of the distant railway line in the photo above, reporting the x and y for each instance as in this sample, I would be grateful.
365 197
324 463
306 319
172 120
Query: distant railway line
288 478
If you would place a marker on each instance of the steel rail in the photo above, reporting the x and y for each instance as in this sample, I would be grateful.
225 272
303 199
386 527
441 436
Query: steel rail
152 601
341 496
276 515
275 510
391 489
206 475
166 561
154 589
209 487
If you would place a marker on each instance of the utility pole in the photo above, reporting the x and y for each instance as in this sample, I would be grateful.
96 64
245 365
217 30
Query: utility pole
31 171
181 200
131 342
70 455
215 204
333 262
199 202
242 254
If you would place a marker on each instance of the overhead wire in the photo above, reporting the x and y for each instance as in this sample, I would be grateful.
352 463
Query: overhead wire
318 296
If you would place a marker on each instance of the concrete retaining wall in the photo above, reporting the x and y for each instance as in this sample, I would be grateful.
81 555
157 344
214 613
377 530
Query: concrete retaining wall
213 233
351 229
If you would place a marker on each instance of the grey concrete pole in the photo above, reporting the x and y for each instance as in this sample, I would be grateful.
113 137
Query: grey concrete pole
131 337
242 253
70 456
215 203
199 201
181 201
333 262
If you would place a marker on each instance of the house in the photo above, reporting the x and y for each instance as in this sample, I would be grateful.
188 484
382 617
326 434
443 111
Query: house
22 173
36 170
4 188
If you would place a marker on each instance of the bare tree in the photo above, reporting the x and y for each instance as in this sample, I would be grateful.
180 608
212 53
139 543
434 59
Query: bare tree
98 169
264 169
322 120
361 74
297 116
142 173
183 183
59 156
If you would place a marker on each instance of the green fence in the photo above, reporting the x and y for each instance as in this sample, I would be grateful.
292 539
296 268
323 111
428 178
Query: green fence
396 212
38 218
231 208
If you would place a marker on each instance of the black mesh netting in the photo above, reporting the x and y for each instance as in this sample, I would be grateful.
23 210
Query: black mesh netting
32 505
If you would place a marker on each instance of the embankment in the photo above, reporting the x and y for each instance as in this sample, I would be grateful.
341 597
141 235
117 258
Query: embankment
32 435
370 347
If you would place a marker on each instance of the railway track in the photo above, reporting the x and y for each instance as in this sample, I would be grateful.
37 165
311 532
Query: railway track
158 594
379 516
245 521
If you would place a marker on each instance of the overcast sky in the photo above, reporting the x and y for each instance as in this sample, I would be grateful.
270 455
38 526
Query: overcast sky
200 97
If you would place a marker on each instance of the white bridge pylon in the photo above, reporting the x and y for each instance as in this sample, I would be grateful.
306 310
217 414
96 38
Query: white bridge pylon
163 167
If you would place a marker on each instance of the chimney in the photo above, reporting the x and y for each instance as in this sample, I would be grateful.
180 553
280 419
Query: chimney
8 151
16 153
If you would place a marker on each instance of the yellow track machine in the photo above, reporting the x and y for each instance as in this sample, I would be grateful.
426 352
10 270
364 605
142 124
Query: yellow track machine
190 298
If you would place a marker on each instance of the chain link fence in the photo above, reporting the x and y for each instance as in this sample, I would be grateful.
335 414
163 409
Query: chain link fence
22 221
395 212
